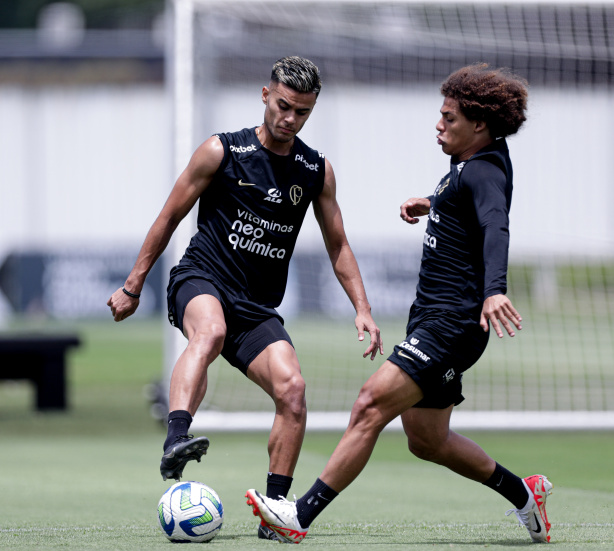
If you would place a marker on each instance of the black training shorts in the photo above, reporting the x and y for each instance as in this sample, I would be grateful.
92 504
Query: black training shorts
440 345
245 338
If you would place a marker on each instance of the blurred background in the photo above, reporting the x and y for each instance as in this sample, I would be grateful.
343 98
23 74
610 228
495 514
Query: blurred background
103 101
85 160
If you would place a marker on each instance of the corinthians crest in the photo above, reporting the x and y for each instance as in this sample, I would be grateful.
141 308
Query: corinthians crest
439 189
296 192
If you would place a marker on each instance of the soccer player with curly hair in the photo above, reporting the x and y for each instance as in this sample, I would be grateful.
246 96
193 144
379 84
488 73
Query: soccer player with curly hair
460 294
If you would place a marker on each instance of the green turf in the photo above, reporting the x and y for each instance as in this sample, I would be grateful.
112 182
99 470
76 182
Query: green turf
88 478
105 496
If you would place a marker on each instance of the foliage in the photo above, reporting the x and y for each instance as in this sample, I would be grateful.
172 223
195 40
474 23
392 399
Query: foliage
98 13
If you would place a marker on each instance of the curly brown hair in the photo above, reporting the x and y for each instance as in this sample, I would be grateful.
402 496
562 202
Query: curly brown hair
497 97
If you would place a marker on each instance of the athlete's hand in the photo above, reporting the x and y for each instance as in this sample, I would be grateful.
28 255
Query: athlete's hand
122 305
499 309
414 207
364 322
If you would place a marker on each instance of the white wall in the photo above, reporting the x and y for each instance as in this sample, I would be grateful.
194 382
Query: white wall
94 165
81 165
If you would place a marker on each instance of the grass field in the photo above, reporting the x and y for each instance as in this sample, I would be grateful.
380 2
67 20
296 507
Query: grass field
88 478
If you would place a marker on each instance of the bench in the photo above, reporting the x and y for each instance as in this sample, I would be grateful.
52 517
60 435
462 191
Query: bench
40 359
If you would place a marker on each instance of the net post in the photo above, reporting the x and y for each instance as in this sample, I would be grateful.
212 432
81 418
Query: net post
180 64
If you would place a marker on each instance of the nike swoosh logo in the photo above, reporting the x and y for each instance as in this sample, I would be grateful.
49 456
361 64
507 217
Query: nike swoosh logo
269 509
242 183
539 526
403 355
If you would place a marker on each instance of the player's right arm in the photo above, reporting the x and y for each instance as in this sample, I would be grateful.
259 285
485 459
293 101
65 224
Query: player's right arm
192 182
414 207
487 184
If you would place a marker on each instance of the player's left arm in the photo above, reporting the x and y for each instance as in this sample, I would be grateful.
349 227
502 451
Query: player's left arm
328 215
499 308
488 183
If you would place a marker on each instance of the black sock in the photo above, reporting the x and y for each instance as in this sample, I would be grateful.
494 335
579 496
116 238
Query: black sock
313 502
179 422
509 486
277 485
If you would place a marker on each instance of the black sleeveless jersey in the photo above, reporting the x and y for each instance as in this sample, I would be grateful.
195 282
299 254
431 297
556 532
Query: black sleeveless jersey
249 218
465 250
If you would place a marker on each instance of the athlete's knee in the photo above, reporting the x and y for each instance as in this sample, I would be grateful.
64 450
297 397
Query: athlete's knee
427 449
209 340
290 395
367 412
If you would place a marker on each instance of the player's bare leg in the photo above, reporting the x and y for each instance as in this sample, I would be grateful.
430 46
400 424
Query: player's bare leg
205 329
277 371
430 438
387 393
383 397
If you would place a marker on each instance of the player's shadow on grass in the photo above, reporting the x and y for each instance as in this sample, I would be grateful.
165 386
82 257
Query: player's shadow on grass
484 543
383 540
359 538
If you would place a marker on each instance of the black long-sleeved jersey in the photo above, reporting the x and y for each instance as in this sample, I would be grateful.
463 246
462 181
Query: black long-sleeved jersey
466 242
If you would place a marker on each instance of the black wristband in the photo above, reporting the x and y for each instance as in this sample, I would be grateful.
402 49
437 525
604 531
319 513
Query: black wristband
131 295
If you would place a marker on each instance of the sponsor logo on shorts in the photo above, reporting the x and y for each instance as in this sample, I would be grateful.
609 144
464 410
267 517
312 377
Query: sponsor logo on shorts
449 376
414 341
415 351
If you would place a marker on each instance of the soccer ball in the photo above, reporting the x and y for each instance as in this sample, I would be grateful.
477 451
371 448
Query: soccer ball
190 511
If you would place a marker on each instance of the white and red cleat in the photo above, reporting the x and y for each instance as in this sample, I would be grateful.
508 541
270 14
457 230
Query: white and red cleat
533 515
279 515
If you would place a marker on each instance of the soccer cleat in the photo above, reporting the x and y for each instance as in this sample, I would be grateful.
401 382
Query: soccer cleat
279 515
265 533
533 514
183 449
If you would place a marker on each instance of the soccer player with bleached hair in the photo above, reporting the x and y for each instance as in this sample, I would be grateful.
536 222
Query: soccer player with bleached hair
254 188
461 292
